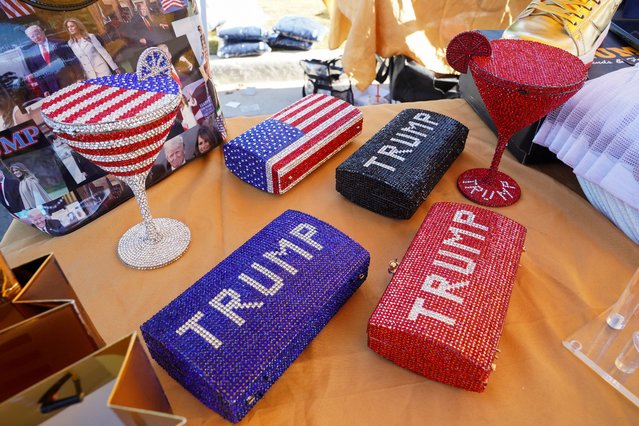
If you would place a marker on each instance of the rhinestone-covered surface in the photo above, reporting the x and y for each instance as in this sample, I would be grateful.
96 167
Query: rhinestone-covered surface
519 81
455 281
137 252
489 187
463 47
393 173
279 152
287 281
117 101
119 122
524 80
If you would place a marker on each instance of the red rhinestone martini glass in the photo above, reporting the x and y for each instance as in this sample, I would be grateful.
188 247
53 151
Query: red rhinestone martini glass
120 122
520 82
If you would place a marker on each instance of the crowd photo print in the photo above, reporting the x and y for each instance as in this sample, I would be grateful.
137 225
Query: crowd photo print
43 182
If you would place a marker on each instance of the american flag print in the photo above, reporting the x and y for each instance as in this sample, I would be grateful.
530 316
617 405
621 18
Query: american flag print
15 8
169 6
280 151
117 122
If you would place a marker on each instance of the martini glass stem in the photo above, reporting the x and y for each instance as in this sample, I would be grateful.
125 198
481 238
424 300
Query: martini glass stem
502 141
137 185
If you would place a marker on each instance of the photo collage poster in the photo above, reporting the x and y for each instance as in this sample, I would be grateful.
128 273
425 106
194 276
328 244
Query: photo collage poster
43 182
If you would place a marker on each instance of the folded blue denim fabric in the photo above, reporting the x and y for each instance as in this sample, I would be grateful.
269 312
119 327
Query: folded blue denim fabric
233 50
279 41
242 34
300 28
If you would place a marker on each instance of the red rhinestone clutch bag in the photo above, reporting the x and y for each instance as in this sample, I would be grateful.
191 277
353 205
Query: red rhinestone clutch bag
443 312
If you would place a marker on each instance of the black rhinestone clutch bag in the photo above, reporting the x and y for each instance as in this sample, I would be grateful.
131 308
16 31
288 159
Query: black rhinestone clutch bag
393 173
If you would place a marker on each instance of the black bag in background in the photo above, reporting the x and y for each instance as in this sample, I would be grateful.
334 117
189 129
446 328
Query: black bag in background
410 82
326 77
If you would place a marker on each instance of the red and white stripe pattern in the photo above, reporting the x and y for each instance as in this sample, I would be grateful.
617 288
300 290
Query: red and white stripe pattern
16 9
89 103
328 123
292 143
172 5
114 151
121 129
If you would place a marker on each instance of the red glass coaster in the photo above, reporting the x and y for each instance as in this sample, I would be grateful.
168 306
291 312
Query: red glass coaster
490 188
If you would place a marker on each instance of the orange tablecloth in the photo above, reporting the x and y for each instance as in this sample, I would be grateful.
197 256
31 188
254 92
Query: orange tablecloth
419 29
575 266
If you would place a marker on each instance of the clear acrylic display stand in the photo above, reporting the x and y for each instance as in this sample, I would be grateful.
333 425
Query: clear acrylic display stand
610 343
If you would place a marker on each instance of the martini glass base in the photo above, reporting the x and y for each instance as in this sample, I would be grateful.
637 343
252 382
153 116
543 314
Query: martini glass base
137 252
489 188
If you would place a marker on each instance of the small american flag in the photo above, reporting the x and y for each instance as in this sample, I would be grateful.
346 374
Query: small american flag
15 8
106 99
112 99
280 151
169 6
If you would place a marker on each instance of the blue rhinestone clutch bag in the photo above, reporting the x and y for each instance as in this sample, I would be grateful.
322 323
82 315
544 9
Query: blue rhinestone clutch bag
393 173
231 335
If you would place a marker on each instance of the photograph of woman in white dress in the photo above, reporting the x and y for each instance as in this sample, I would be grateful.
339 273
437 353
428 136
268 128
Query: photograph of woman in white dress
94 58
31 192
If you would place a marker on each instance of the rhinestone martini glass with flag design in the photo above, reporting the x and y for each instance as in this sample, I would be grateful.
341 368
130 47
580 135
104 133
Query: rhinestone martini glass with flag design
120 123
520 82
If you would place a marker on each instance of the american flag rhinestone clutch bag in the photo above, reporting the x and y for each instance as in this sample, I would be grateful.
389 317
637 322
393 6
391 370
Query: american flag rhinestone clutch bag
118 122
231 335
280 151
393 173
443 312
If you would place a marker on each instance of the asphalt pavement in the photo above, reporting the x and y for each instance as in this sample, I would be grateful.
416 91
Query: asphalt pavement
262 85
